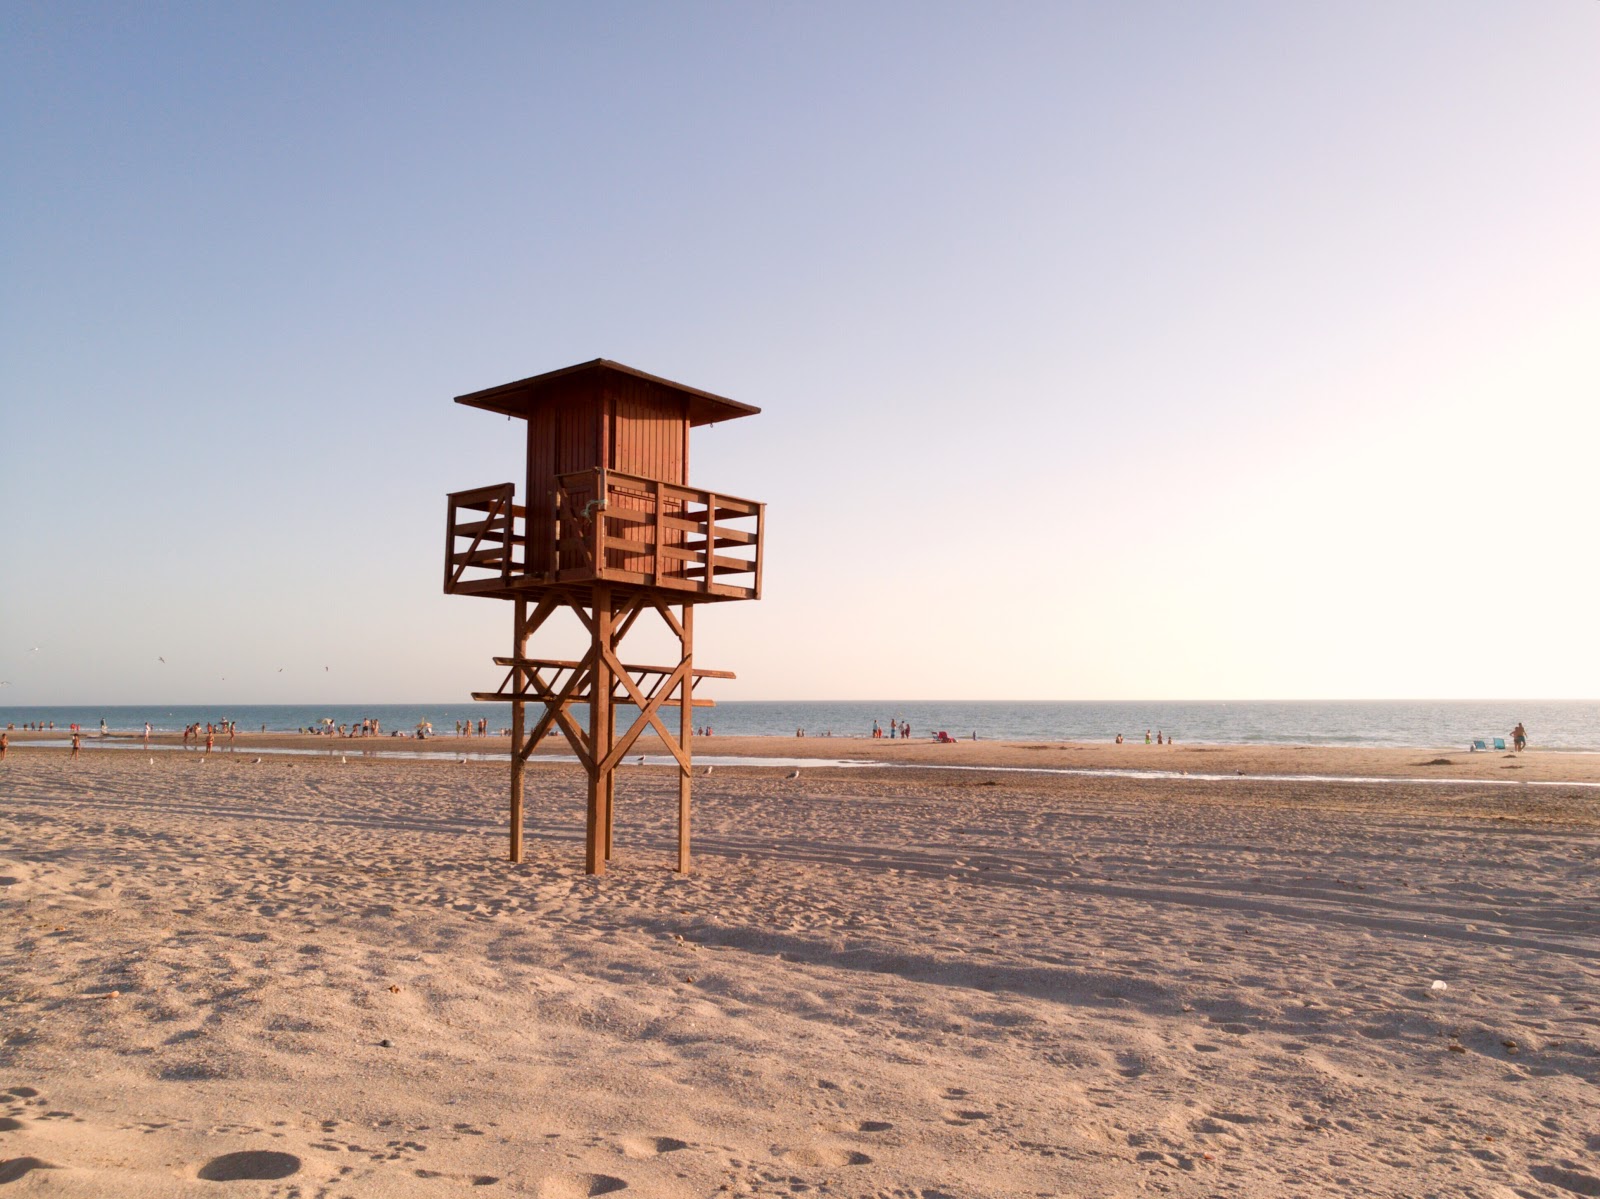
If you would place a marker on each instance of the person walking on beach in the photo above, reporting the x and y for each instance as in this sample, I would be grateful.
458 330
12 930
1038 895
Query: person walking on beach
1519 738
147 734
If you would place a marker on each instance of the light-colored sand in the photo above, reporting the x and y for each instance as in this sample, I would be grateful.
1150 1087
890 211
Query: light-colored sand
880 983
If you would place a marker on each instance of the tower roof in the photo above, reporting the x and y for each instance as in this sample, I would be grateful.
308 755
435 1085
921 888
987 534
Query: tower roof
525 395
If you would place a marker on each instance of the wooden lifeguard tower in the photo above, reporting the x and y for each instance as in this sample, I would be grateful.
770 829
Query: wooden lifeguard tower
610 530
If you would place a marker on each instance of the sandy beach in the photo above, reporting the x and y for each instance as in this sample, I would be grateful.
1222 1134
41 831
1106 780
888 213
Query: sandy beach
306 976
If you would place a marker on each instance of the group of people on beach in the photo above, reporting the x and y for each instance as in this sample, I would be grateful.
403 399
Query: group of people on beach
901 729
1161 738
227 728
367 728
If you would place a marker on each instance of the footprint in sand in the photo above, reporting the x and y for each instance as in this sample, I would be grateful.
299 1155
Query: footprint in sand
249 1164
18 1166
1575 1180
965 1116
578 1186
640 1147
477 1180
874 1126
825 1156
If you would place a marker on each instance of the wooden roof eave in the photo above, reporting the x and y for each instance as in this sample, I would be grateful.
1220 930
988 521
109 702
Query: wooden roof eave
525 395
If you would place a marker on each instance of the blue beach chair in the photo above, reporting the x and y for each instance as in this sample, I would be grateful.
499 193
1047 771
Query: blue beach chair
1478 745
1499 742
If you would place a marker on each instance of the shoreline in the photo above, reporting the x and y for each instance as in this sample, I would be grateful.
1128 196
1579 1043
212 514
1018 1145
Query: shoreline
1201 761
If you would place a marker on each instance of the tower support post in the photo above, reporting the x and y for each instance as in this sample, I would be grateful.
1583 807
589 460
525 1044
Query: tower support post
685 736
602 728
519 645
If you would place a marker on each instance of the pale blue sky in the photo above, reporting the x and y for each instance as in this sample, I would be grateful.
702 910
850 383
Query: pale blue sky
1233 350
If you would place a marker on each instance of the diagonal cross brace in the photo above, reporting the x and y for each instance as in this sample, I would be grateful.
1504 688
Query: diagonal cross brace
648 714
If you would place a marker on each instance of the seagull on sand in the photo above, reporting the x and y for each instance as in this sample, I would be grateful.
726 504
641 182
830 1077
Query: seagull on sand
793 774
709 769
639 761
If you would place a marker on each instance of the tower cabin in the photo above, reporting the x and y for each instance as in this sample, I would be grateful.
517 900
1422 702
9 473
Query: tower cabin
611 529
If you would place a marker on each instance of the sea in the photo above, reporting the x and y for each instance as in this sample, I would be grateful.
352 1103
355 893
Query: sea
1572 725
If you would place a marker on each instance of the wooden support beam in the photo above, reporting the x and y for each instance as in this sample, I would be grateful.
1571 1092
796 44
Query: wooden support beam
519 641
564 664
647 718
685 734
601 729
666 615
527 697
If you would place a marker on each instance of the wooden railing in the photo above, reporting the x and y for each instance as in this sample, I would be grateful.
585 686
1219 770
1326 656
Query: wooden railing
607 526
630 529
489 522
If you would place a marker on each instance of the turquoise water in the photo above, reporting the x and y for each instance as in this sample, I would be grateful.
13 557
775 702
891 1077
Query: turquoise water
1551 724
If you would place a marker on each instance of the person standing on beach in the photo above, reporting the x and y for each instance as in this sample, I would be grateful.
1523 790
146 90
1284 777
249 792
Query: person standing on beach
1147 736
5 742
77 743
1519 738
147 734
211 739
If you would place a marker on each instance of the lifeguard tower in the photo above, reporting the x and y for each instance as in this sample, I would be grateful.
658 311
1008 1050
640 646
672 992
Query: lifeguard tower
609 529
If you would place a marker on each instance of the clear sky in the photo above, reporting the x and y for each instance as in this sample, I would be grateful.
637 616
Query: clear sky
1134 350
